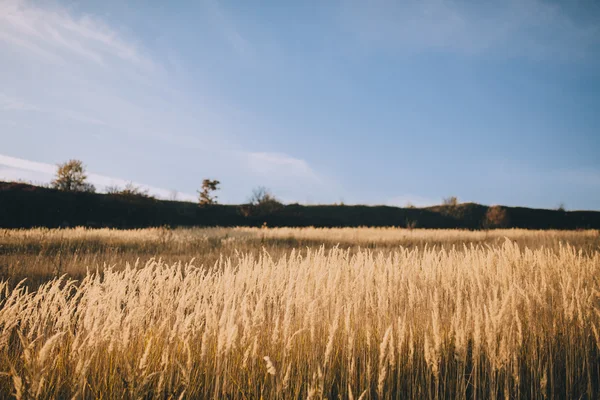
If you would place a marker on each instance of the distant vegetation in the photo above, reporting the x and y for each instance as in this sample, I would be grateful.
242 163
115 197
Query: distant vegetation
130 190
206 195
230 310
71 177
261 204
70 201
23 206
496 217
450 201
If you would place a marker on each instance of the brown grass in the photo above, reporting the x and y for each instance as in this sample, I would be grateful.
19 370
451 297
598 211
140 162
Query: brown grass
494 318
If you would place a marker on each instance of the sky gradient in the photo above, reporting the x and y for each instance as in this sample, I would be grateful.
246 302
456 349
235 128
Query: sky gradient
382 102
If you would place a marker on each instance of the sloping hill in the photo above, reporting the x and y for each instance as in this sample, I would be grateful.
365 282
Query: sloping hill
25 206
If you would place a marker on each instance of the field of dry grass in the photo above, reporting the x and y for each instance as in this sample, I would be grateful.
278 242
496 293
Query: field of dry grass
299 313
41 254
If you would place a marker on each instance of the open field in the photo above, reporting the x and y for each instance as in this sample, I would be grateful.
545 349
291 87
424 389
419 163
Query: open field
299 313
40 254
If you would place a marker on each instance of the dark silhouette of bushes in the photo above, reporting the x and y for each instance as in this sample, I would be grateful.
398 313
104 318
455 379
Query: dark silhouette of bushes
129 191
261 204
25 206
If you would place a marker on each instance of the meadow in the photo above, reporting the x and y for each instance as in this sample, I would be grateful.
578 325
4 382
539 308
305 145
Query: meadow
286 313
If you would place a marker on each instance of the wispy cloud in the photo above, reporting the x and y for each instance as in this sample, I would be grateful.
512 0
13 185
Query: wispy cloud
531 28
27 165
8 103
76 68
18 169
98 75
291 178
73 68
281 165
53 33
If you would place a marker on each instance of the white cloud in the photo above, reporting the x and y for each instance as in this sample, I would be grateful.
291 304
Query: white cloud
67 65
98 76
8 103
52 33
18 169
77 69
278 164
31 166
291 179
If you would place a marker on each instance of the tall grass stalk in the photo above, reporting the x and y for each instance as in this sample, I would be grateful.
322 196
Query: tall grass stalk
502 321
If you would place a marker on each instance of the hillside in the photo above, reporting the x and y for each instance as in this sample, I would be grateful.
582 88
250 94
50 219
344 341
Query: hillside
25 206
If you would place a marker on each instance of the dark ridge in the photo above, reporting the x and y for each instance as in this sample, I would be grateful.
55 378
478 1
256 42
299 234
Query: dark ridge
26 206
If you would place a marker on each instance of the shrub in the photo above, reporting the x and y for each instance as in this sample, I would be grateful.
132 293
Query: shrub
261 203
130 190
496 217
450 201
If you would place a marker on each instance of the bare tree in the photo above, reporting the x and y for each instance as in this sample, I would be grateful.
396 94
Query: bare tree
261 202
260 195
130 190
71 177
450 201
173 195
112 189
206 196
134 191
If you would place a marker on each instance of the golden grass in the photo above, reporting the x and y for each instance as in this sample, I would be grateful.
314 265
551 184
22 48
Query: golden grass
496 318
41 254
355 236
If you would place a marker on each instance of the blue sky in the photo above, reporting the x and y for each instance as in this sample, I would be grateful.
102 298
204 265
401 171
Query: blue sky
379 102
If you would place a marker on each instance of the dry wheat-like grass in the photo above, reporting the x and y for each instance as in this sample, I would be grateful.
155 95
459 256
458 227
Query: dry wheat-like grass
502 321
42 254
357 236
